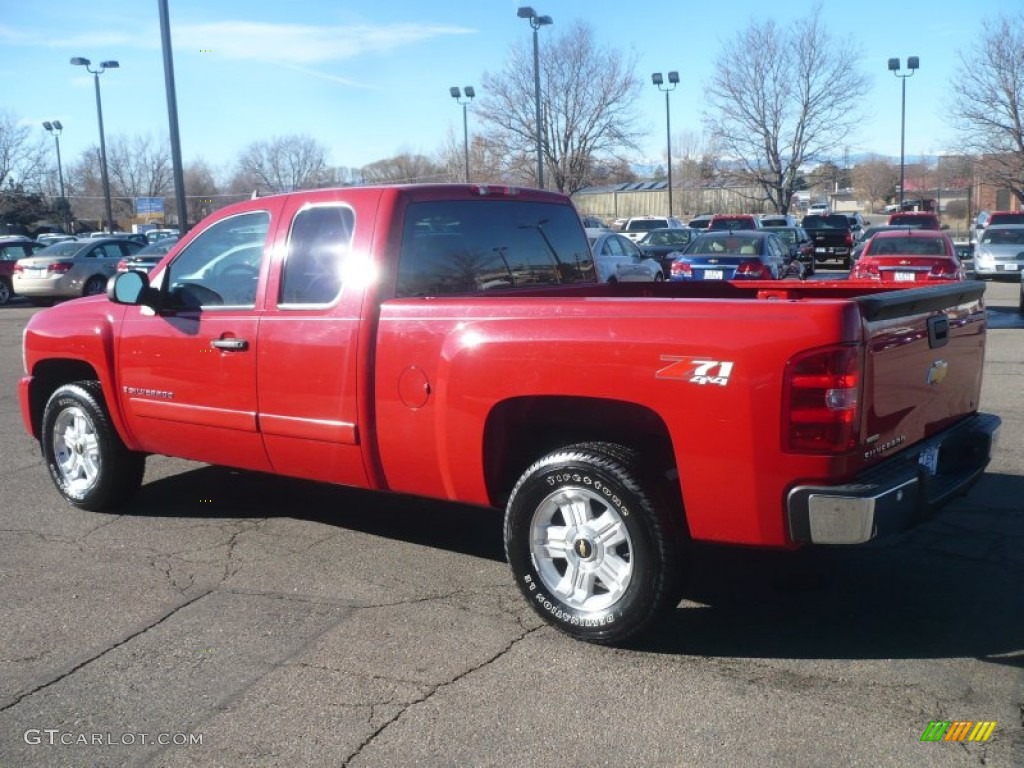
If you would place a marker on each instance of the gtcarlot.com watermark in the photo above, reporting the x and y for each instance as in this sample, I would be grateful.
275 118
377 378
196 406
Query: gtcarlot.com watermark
57 737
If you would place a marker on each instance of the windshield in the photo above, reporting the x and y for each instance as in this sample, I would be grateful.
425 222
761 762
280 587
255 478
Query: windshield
834 221
907 246
1004 237
729 244
666 237
643 225
67 248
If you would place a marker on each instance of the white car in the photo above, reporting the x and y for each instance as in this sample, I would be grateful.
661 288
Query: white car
639 226
999 250
618 259
821 209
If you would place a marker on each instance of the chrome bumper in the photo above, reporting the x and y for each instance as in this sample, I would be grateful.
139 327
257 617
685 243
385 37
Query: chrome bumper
898 493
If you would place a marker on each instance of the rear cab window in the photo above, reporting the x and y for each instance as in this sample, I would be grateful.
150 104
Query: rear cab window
472 246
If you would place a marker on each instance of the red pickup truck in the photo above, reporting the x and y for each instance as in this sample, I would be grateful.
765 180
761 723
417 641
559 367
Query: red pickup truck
452 341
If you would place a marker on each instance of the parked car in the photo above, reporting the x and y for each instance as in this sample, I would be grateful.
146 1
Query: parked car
663 245
734 221
154 235
66 270
735 255
13 248
856 224
619 259
870 232
147 257
639 226
909 256
818 209
778 220
1000 250
917 219
1021 305
700 221
51 238
800 244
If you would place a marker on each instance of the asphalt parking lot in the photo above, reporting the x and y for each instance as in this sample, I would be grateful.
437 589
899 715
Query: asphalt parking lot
228 618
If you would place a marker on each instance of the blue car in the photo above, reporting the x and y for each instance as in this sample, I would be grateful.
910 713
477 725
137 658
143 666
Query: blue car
736 255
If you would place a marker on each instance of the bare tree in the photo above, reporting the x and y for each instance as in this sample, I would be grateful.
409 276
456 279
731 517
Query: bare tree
405 168
283 164
875 178
204 194
782 98
23 158
988 93
138 166
587 96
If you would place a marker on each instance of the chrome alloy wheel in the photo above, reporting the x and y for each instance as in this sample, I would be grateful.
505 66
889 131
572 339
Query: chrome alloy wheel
581 549
76 449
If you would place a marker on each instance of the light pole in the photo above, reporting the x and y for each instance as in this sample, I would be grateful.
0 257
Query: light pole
470 95
78 61
658 80
894 66
55 128
526 12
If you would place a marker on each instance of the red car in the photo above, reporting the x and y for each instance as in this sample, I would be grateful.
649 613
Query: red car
912 256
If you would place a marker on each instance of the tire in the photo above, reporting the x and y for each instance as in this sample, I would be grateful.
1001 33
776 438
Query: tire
6 292
94 285
90 466
587 546
658 278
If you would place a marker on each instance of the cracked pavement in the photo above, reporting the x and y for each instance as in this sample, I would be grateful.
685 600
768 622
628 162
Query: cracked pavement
291 623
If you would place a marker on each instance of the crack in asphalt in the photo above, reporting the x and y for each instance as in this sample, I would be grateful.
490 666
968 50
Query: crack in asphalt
128 638
433 690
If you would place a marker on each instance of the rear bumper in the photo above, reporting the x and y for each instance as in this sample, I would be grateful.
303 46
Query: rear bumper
898 493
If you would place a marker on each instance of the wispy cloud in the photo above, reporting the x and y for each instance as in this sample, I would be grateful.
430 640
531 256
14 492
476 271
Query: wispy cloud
300 44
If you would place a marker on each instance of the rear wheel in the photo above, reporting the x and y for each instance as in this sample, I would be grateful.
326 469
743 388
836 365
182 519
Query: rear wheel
90 466
587 545
94 285
5 291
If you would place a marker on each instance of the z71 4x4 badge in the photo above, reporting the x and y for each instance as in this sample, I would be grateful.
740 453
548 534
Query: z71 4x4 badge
695 370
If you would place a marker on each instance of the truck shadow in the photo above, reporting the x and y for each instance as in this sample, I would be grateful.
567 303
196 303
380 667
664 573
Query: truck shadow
949 588
218 492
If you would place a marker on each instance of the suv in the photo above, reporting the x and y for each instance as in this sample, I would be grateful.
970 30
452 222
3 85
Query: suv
639 226
734 221
916 219
818 209
11 249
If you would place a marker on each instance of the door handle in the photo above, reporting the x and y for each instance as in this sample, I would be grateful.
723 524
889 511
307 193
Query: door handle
232 345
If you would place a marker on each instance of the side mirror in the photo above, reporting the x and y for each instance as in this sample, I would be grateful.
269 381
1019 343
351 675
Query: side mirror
130 287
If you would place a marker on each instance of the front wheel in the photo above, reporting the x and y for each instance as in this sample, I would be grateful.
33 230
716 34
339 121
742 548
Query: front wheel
90 466
587 546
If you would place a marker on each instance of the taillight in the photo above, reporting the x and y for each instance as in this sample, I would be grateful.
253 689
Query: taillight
59 267
821 400
122 266
849 239
865 271
753 270
681 269
945 271
18 267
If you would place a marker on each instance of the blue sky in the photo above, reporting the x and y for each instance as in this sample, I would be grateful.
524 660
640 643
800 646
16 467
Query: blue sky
370 80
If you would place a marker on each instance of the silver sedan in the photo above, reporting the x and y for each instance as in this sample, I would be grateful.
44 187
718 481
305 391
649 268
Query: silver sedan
67 270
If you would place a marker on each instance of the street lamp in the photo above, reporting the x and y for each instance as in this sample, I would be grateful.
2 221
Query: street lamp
457 95
526 12
894 66
658 80
78 61
55 128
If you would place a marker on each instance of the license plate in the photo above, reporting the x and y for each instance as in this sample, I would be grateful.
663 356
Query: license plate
905 277
1011 267
929 459
35 272
821 250
713 274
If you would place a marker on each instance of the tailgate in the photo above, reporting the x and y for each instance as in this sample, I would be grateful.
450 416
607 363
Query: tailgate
923 369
